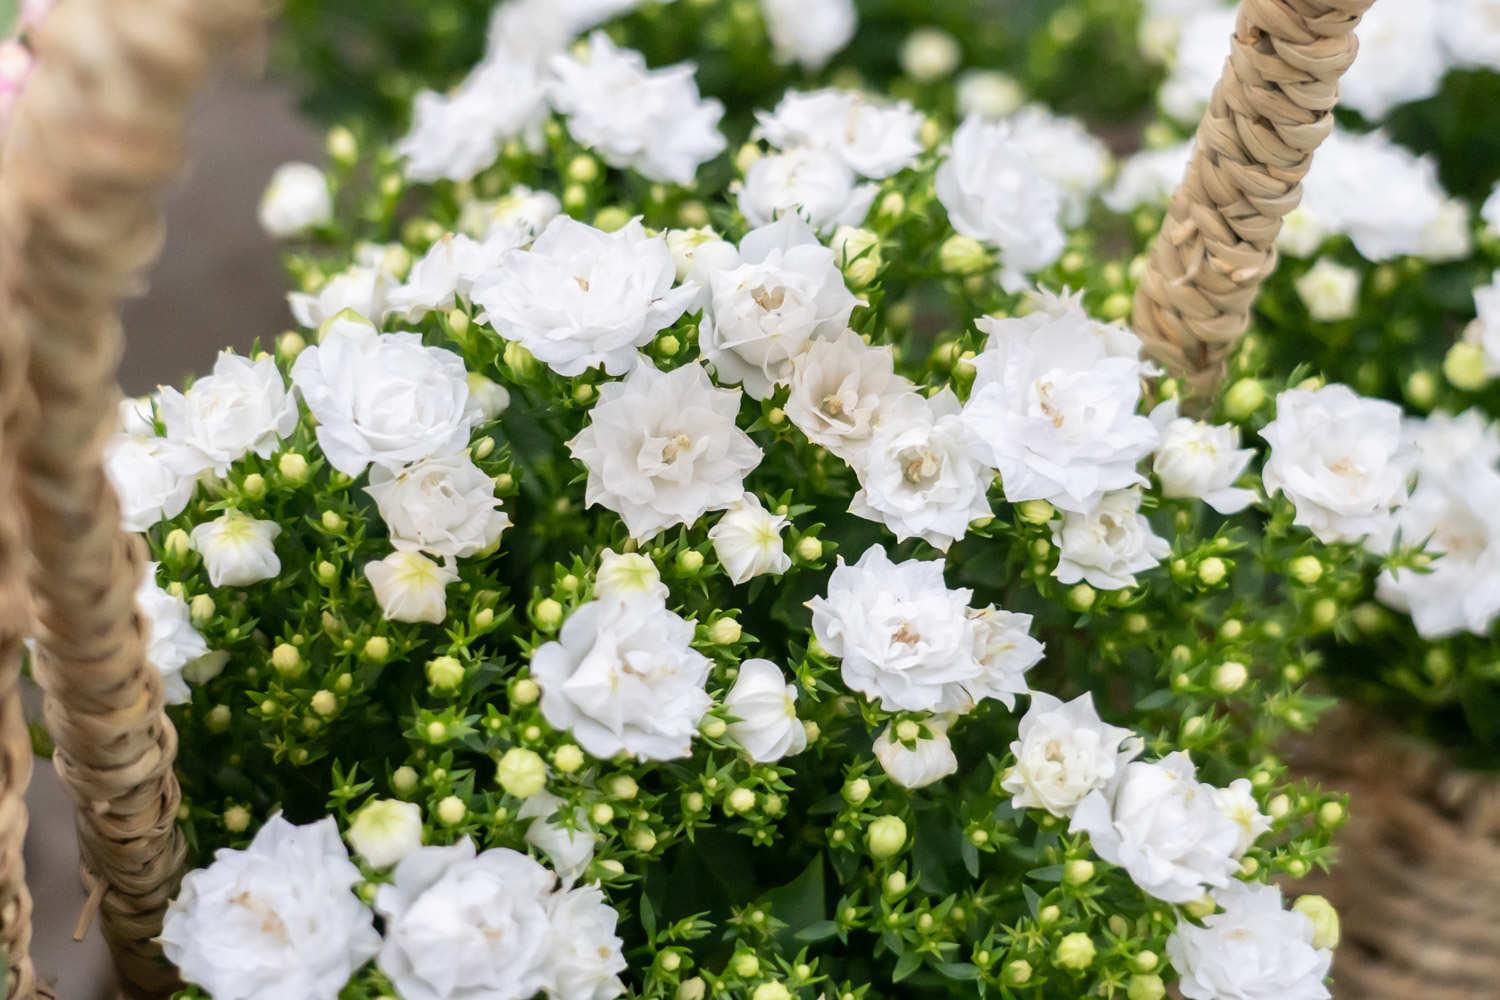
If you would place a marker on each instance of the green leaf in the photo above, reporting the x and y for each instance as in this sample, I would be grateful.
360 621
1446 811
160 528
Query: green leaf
906 965
820 931
959 970
648 917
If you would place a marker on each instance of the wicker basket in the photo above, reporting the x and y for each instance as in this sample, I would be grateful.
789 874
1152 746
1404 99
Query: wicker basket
99 133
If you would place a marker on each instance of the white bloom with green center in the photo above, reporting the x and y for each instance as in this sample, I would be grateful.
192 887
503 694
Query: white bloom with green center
243 407
622 677
569 847
1237 801
409 587
444 506
747 541
651 121
874 138
839 389
783 292
237 549
764 707
1199 460
662 449
1253 949
386 830
1108 546
172 643
296 200
1329 290
278 919
920 759
1164 827
622 574
1064 752
808 32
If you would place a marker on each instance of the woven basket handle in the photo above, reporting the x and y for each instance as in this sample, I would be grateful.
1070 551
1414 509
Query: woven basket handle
1271 108
95 138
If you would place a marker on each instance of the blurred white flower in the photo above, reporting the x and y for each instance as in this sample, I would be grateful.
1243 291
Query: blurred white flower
1383 197
1202 45
278 919
813 183
171 640
238 550
296 200
1471 32
1149 177
444 506
581 297
243 407
361 289
873 138
1301 233
929 54
1329 290
747 541
1201 461
409 587
153 478
651 121
1063 753
455 135
988 93
764 706
1401 57
1064 152
784 290
1340 458
1252 949
386 830
662 449
622 677
809 32
446 273
929 759
521 208
385 399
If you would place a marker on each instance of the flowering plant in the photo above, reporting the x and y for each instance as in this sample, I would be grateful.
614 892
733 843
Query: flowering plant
659 570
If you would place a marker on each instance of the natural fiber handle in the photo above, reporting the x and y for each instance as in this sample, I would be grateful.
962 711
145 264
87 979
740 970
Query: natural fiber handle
1271 108
96 136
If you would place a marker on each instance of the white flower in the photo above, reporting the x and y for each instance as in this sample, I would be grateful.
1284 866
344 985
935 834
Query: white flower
1199 460
839 389
620 575
1161 824
1252 950
243 406
1161 25
623 678
698 251
1455 511
651 121
136 416
1485 330
1447 235
903 638
873 139
1401 58
662 449
569 849
988 93
813 183
764 706
444 506
1301 233
1471 32
360 289
808 32
581 297
1109 545
929 54
1064 152
1202 46
520 208
921 474
1003 646
447 271
534 29
153 478
491 398
1441 442
385 399
461 927
784 291
1383 197
1238 803
1149 177
458 134
586 957
238 550
278 919
996 193
1489 212
1054 403
1329 290
386 830
171 641
929 759
410 587
747 541
1340 459
1063 753
297 199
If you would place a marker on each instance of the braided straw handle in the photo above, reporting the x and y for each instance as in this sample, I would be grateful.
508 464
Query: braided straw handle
1271 108
96 136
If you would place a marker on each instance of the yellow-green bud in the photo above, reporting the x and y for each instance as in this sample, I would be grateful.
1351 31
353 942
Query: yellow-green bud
1201 907
667 345
521 772
713 727
1116 306
892 206
1230 676
293 468
856 791
741 800
341 145
236 819
583 169
724 631
1017 973
286 660
1306 569
1325 612
444 673
623 786
961 255
218 718
376 649
325 703
1331 814
907 731
177 545
547 615
201 610
1036 511
745 965
809 548
689 560
602 814
611 218
1278 807
895 883
1212 571
692 989
1145 961
1081 597
404 780
332 520
1148 987
1244 398
525 692
1075 951
1049 914
568 758
771 991
451 811
1078 871
1325 920
254 486
1465 366
886 837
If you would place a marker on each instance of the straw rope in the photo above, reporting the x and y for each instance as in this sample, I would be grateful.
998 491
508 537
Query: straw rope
1271 108
95 137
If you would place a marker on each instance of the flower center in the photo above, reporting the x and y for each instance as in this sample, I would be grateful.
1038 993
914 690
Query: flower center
769 299
583 282
919 466
906 635
675 446
832 406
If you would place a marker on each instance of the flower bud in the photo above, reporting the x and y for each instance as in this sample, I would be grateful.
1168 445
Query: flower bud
254 486
451 811
713 727
745 965
1081 598
961 255
404 780
582 169
519 360
724 632
692 989
1146 988
929 54
741 800
444 673
521 772
1244 398
1229 677
809 548
689 561
886 837
858 253
1212 571
1331 814
771 991
1036 511
895 883
856 791
201 610
568 758
287 661
325 703
1017 973
611 218
1465 366
1145 961
386 830
1075 951
1049 914
218 718
1325 612
547 615
491 397
1325 920
236 819
1078 871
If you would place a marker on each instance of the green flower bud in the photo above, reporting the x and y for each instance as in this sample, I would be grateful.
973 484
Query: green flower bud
177 545
325 703
521 772
771 991
1325 920
236 819
741 800
961 255
724 632
376 649
611 218
886 837
689 561
1075 951
582 169
287 661
1145 961
1465 366
1244 398
1081 598
1017 973
404 780
856 791
1229 677
692 989
568 758
602 814
254 486
809 548
547 615
1212 571
745 965
713 727
451 811
1331 814
519 360
201 610
1306 569
1146 988
444 673
289 345
341 146
1036 511
1048 915
1078 871
218 718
